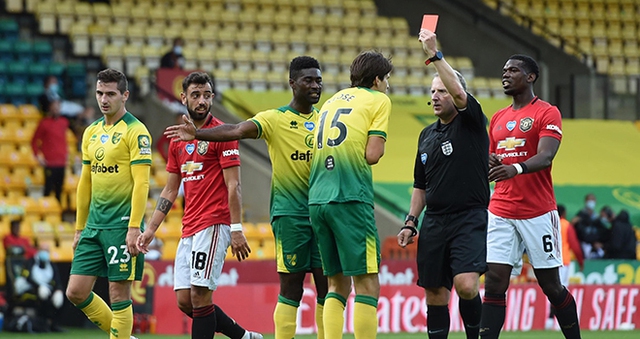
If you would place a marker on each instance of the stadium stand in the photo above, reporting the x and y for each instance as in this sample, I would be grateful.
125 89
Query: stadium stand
227 38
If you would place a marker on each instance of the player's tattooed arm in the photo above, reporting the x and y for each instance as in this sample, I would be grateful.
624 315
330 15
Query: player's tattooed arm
164 205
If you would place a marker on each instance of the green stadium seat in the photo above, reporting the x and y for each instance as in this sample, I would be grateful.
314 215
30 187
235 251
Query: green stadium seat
9 29
38 71
43 51
15 93
18 72
77 76
33 91
6 50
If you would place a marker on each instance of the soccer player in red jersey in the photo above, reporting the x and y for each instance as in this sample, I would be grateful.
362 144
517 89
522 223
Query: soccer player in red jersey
210 172
523 140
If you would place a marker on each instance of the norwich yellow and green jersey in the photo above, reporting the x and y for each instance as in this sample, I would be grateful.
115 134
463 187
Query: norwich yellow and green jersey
339 170
111 151
289 137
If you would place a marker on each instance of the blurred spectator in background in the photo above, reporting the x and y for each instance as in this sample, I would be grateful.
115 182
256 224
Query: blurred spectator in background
51 93
49 145
622 242
174 58
14 243
570 249
44 280
588 229
36 295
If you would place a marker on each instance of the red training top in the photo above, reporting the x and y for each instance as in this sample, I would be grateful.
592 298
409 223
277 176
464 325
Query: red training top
50 138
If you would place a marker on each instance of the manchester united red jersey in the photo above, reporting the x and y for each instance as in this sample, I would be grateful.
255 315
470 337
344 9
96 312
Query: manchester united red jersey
200 164
514 136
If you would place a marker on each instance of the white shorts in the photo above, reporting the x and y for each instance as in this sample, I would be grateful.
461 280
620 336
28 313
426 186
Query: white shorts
540 236
564 272
200 257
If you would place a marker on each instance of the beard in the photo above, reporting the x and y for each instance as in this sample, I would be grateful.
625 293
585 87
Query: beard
197 116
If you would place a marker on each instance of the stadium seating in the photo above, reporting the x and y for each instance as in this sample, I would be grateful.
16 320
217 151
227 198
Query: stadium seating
605 31
129 35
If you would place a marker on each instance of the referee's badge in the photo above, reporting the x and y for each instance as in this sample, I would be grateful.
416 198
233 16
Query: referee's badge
447 147
424 157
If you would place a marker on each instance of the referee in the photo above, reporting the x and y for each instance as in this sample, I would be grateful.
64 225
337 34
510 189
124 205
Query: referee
450 179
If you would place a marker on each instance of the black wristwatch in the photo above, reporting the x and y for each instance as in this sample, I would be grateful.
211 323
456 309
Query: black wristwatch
436 57
412 218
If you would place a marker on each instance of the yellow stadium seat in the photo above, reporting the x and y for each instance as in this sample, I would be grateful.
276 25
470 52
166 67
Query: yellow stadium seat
112 56
264 231
267 250
169 248
170 229
63 252
49 206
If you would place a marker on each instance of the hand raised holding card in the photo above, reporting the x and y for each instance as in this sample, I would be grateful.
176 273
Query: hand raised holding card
429 22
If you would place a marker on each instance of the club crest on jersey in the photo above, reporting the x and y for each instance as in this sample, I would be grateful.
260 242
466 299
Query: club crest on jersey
526 124
104 138
116 138
511 125
203 146
423 158
309 125
190 148
447 147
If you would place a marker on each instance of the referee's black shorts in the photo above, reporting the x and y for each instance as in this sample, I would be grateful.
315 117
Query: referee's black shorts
450 244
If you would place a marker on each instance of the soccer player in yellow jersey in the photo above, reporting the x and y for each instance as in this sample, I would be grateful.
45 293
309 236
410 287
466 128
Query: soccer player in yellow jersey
112 195
350 137
288 131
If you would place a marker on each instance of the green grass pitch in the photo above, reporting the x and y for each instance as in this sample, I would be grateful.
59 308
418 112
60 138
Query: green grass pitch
83 334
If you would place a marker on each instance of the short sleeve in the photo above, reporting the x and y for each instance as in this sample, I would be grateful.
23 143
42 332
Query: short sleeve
551 123
139 145
172 159
264 122
380 119
229 154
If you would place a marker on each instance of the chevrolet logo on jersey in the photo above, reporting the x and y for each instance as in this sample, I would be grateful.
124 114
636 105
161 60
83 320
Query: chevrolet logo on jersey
510 143
189 167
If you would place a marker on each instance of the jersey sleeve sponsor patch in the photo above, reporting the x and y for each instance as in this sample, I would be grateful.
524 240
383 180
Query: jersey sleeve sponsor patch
144 144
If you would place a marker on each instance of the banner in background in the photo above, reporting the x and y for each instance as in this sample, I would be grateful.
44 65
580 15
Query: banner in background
169 83
248 292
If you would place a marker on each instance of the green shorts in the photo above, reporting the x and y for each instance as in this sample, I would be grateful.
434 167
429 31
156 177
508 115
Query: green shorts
347 238
296 245
103 253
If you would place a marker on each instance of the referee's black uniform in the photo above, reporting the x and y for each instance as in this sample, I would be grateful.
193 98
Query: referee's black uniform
452 166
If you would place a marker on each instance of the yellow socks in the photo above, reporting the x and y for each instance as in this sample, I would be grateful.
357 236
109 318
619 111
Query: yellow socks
97 311
319 322
284 318
122 322
333 315
365 317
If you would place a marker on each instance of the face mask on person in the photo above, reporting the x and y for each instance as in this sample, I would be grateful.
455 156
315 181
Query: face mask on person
54 88
43 256
177 49
590 204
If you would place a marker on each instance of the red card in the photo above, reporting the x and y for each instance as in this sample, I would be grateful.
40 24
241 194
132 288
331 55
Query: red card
429 21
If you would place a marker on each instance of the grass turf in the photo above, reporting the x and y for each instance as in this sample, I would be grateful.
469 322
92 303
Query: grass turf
84 334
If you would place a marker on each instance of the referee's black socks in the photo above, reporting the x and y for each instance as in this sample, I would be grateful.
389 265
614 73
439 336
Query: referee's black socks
438 321
470 311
